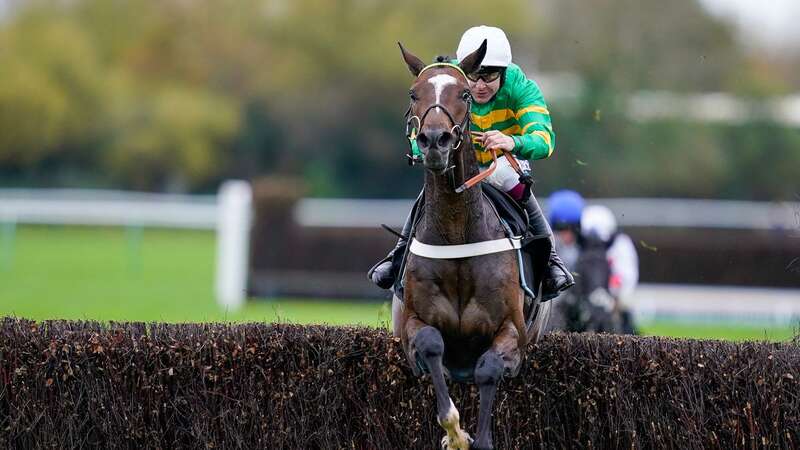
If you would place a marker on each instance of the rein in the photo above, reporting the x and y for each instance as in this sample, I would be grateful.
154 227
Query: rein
415 155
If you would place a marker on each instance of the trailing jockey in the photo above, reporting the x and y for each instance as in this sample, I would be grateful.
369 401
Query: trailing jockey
564 209
598 222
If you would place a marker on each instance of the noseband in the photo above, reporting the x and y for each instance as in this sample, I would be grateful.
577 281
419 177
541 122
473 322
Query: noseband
457 130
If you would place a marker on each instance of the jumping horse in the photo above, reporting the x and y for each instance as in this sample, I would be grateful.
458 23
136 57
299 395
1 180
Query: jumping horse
462 314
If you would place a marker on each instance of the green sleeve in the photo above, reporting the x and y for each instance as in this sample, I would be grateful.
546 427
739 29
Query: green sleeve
536 139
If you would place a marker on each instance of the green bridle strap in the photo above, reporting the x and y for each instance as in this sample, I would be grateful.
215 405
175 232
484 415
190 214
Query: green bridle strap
415 151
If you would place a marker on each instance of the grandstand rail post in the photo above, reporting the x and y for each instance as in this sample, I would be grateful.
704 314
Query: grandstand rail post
234 216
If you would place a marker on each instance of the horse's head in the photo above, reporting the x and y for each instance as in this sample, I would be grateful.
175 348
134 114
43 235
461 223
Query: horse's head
593 266
440 102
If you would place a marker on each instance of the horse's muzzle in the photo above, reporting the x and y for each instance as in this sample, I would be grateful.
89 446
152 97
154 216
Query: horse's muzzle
435 139
436 145
435 164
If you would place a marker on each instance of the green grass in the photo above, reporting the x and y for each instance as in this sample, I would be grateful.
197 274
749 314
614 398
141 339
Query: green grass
55 272
718 331
124 275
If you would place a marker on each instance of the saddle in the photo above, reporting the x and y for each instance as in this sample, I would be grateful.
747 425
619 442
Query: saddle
508 210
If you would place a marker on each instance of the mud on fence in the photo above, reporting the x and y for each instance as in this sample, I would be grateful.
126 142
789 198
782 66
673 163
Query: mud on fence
86 385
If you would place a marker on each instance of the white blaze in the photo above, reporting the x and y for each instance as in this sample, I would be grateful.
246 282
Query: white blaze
439 82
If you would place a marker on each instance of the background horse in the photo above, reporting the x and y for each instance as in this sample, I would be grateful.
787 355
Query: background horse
461 317
588 306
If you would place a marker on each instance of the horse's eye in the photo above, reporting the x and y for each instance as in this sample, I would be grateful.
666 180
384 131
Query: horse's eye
466 96
413 95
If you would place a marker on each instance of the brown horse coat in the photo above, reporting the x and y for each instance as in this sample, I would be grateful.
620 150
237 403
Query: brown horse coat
459 316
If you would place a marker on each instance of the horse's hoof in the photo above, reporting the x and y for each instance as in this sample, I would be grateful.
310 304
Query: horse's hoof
460 442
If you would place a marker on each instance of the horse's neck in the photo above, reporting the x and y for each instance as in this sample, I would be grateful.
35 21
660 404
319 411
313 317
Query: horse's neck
451 218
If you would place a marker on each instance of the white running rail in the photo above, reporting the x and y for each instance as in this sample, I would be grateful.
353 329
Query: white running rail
229 213
117 208
662 212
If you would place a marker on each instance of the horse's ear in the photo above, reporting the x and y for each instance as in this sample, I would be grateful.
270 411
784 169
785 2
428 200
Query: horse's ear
473 61
415 65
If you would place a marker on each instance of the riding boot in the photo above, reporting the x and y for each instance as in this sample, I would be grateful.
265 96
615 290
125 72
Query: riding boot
384 273
557 277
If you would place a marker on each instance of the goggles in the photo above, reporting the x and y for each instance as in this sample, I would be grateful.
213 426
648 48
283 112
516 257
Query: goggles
486 75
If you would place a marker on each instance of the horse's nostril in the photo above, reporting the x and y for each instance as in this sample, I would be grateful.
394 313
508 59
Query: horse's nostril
444 139
437 138
422 140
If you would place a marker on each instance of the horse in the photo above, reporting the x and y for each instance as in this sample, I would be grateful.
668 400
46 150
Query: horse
588 306
461 316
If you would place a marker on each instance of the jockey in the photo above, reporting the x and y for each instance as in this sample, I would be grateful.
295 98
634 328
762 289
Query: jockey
565 208
598 222
508 113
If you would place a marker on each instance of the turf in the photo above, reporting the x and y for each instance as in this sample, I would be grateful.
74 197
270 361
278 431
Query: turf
52 272
718 331
133 275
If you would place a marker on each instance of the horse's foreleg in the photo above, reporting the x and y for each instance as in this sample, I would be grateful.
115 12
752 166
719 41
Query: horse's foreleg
429 347
503 354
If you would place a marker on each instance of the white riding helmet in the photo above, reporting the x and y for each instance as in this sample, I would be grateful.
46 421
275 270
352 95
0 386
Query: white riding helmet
599 221
498 50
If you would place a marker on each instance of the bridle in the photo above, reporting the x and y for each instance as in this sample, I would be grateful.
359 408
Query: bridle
458 129
415 155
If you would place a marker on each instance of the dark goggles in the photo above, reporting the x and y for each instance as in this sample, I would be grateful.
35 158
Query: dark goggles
486 75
